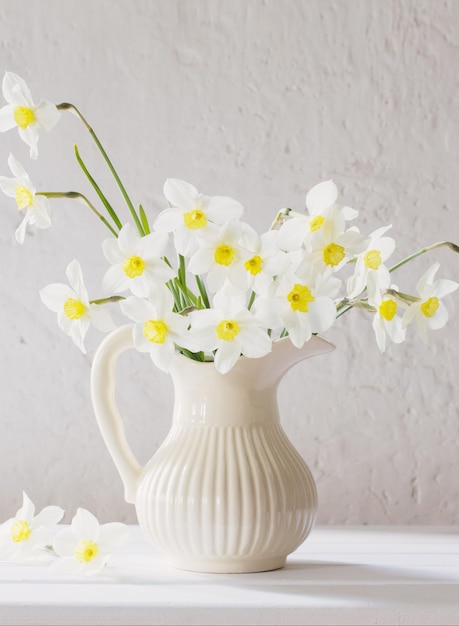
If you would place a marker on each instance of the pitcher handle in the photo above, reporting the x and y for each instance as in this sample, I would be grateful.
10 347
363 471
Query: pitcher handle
108 417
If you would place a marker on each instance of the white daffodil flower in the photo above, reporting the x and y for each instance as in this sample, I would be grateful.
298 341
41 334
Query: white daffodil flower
221 255
266 260
321 206
429 312
386 321
192 214
74 311
25 536
333 246
137 263
38 209
371 262
302 305
229 329
85 547
157 329
21 111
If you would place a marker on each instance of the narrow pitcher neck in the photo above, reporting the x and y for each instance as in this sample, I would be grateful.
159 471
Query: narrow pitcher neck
204 397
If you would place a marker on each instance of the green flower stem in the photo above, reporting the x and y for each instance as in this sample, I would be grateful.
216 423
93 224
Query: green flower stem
107 300
98 190
404 297
203 292
66 106
74 195
144 220
440 244
251 300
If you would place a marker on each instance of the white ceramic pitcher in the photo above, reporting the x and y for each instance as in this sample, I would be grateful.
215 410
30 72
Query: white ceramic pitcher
226 491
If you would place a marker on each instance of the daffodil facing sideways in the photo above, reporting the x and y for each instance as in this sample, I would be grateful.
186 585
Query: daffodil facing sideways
75 313
429 311
228 329
137 262
85 546
21 112
323 212
191 214
35 206
157 331
25 536
387 306
371 262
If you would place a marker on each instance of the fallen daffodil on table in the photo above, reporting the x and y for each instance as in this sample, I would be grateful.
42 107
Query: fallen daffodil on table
86 546
26 536
200 252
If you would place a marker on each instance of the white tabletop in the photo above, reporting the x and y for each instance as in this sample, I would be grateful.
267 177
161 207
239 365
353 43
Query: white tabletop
340 575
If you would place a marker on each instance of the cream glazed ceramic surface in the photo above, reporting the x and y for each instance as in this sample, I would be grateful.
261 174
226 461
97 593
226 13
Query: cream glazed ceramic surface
226 491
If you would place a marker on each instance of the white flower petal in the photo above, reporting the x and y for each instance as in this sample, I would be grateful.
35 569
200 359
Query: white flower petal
443 287
75 278
7 121
16 168
112 537
115 280
15 90
255 343
321 197
180 194
47 114
21 230
85 525
49 516
137 309
426 280
26 512
100 318
221 209
30 136
168 220
53 296
112 251
228 352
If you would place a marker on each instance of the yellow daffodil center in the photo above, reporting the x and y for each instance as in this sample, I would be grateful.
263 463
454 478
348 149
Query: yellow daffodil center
224 255
300 297
74 309
430 306
20 530
23 116
372 259
254 265
23 197
227 330
133 266
195 219
316 223
388 309
155 331
334 254
86 551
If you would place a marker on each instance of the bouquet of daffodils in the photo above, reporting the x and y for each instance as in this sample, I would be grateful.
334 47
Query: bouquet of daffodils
225 291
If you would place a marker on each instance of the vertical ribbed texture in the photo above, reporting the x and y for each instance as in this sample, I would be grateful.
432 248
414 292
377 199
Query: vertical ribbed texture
228 492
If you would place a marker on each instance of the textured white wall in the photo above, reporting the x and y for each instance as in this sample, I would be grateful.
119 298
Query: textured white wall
259 100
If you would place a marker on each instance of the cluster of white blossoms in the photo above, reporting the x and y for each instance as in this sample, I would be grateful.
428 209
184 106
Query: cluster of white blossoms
228 291
84 547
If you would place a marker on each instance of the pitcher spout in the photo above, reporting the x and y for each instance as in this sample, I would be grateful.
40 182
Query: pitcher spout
285 355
